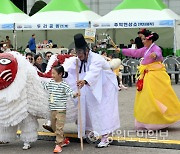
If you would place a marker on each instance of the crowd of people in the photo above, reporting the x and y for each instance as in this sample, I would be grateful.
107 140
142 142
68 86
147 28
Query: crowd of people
99 84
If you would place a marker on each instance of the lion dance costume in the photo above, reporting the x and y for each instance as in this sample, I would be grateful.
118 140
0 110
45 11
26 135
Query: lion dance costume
22 98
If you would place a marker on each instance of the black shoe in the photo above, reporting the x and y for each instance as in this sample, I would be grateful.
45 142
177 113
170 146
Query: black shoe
48 128
1 142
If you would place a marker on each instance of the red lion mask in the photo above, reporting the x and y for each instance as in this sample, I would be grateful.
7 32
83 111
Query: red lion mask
60 60
8 69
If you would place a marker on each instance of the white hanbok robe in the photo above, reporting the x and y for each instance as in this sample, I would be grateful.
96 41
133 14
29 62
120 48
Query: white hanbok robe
99 98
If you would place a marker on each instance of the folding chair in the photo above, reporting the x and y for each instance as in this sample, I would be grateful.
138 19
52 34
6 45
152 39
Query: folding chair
172 67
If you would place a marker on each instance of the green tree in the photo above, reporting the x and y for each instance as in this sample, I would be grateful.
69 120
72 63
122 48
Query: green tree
38 5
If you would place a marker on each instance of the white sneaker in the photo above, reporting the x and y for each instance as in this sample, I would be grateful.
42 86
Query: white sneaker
26 146
123 87
103 144
2 142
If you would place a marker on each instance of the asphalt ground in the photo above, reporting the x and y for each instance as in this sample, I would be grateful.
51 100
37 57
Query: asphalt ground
46 147
125 140
126 135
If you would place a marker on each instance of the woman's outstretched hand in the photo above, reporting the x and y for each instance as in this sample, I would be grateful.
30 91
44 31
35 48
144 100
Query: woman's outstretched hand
153 55
118 50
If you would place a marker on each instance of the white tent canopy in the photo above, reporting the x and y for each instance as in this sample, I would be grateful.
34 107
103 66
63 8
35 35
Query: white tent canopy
136 18
9 15
59 21
141 14
136 14
53 20
60 14
7 21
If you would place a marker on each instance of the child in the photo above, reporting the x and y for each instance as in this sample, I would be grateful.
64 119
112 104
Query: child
58 94
116 71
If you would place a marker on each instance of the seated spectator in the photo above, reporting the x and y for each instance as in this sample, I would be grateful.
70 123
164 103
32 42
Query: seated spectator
132 41
38 61
1 43
47 57
5 48
94 49
132 44
29 57
103 44
104 54
72 52
54 46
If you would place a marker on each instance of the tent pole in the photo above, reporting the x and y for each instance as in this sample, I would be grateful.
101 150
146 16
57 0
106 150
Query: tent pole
14 38
46 35
114 36
175 44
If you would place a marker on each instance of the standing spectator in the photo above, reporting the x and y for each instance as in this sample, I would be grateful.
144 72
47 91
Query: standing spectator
138 39
47 57
132 43
8 42
38 62
32 44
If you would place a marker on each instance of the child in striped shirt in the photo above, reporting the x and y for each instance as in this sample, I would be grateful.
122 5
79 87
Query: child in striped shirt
58 91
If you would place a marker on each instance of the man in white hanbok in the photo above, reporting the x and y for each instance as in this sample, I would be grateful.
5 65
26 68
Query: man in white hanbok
99 91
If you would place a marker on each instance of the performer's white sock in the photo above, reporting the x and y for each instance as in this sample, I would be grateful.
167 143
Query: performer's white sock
48 123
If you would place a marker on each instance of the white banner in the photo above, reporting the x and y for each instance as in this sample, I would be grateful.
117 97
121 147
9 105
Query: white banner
6 26
53 26
133 24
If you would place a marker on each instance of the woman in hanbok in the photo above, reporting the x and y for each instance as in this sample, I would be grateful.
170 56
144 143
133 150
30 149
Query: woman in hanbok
156 104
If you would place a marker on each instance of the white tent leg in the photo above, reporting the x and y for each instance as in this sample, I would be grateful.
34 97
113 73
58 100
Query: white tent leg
175 43
14 40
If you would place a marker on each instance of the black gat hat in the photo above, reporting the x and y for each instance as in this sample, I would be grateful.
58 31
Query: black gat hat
80 42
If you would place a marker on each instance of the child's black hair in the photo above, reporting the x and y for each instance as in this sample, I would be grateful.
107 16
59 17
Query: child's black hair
60 69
